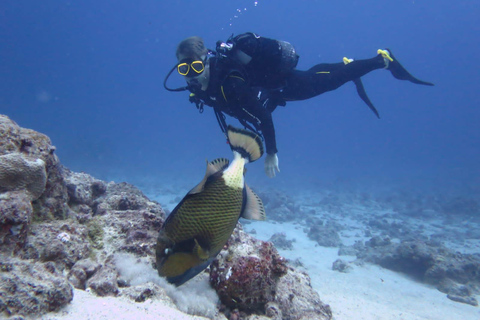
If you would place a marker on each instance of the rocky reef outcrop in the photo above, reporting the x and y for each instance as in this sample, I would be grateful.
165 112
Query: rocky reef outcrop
454 273
62 230
31 287
250 276
247 280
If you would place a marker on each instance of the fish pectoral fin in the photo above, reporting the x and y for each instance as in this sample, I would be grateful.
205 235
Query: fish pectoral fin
212 168
254 209
200 252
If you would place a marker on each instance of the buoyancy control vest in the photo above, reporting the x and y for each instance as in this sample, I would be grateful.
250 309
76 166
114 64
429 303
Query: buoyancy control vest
220 69
266 61
262 62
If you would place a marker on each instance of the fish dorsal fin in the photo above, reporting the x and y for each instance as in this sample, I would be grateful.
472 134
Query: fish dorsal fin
201 253
254 209
219 164
212 167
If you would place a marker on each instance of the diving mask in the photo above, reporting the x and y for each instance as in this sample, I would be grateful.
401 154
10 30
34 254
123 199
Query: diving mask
189 68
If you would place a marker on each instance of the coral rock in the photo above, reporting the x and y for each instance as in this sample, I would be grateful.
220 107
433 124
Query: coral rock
326 236
18 173
254 278
35 147
149 290
104 282
81 272
341 266
15 216
432 264
280 241
82 188
248 282
298 300
31 288
57 241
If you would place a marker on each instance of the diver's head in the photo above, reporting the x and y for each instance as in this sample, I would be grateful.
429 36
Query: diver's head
193 63
192 47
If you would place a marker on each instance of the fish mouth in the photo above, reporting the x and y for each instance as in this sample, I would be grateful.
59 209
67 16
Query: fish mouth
180 279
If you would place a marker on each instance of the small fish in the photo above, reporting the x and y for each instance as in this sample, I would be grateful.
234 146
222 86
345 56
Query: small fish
200 225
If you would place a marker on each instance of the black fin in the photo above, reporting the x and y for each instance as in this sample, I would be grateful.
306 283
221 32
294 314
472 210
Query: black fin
363 95
245 142
399 72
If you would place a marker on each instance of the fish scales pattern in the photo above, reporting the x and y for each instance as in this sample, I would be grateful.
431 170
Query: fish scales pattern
209 216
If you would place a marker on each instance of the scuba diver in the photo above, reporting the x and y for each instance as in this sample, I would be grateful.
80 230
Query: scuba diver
248 76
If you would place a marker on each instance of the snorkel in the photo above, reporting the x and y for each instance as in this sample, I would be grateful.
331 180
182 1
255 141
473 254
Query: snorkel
168 76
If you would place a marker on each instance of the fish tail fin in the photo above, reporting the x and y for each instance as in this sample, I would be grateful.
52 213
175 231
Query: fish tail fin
245 142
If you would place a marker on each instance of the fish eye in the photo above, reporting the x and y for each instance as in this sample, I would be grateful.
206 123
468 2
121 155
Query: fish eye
167 251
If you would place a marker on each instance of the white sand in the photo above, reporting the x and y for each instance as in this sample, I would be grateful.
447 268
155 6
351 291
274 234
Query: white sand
87 306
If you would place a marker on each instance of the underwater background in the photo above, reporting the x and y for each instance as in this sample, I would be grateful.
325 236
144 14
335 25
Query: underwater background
89 74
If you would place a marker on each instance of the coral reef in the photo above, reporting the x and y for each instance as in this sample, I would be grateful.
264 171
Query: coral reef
15 218
456 274
81 271
341 266
60 241
326 236
104 282
29 287
280 206
280 241
67 232
19 173
250 276
58 225
461 206
35 146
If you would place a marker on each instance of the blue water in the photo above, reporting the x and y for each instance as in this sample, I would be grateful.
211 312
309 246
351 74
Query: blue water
89 75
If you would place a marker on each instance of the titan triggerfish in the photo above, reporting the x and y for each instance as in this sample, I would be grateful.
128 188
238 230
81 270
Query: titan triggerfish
200 225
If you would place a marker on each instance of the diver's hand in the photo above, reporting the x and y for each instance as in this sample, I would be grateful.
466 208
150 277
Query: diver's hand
271 164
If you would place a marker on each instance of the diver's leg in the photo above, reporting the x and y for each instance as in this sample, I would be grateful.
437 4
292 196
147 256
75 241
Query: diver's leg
324 77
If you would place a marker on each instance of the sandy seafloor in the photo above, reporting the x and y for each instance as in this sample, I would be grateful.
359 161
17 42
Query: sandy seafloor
367 292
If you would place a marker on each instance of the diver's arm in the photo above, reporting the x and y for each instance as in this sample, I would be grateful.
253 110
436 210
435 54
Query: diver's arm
243 101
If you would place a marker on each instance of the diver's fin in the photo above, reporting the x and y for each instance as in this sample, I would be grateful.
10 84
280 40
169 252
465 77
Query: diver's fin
201 253
397 70
363 95
360 89
254 209
245 142
212 168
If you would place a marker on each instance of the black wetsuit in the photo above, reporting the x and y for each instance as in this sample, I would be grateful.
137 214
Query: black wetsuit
234 93
324 77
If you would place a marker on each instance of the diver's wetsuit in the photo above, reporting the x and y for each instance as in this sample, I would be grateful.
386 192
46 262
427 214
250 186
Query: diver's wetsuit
236 96
324 77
